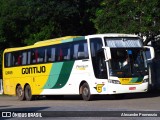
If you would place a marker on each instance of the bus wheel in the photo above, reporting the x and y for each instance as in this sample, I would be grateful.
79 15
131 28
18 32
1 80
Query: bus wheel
28 93
86 92
20 93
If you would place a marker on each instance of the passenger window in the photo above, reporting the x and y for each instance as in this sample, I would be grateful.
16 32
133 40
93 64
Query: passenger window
61 52
80 50
51 54
24 58
64 52
29 57
40 55
33 56
8 62
17 58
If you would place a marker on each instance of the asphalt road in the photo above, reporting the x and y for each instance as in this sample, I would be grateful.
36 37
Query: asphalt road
101 107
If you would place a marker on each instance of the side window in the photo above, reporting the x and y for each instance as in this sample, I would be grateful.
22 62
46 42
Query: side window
86 50
33 56
75 51
24 57
96 44
8 60
40 55
51 54
29 57
37 55
45 54
59 53
64 52
17 59
80 50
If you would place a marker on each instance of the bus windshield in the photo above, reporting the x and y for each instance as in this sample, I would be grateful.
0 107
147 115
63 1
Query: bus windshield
127 62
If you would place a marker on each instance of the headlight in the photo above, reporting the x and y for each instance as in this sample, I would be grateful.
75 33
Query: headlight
145 80
114 81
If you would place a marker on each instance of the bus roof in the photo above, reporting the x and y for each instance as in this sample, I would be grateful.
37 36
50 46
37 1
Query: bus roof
48 42
112 35
60 40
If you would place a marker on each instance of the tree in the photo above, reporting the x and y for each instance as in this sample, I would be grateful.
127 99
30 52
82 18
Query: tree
24 22
12 22
28 21
140 17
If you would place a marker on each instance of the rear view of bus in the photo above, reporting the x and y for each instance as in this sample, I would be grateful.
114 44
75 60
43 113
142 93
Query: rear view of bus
122 60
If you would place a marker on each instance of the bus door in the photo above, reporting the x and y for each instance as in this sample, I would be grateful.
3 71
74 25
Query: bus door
98 58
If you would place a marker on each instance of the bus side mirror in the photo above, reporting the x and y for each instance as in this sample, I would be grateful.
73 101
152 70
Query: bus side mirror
107 53
149 51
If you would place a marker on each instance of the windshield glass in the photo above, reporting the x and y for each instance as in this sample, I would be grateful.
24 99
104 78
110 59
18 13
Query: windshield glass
123 42
127 62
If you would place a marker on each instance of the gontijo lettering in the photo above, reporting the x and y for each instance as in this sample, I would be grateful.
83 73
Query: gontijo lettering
33 70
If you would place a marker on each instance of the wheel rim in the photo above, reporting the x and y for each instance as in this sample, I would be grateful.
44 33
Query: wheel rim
85 92
20 92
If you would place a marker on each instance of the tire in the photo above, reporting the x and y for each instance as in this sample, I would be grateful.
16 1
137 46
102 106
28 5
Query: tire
20 93
86 95
28 93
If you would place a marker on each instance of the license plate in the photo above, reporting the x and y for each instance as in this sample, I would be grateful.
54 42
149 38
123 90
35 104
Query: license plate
132 88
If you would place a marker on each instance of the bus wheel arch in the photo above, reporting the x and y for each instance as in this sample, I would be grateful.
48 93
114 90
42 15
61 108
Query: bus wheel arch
20 92
85 91
28 92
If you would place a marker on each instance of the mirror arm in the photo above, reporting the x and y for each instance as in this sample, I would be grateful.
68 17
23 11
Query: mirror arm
107 53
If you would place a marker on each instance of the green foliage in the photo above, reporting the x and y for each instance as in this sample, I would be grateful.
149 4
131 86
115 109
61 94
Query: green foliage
129 16
28 21
24 22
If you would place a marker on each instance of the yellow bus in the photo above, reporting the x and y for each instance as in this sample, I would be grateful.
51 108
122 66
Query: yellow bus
77 65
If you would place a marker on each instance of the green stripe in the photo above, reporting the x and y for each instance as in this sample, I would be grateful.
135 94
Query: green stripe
136 80
54 75
78 38
68 40
73 39
64 74
59 75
